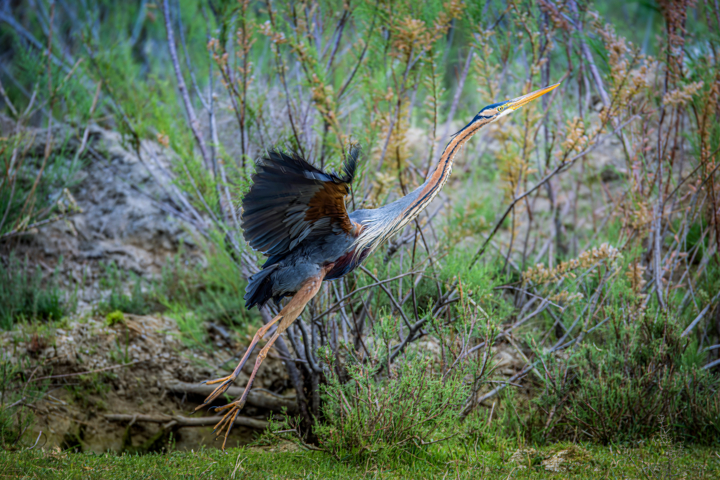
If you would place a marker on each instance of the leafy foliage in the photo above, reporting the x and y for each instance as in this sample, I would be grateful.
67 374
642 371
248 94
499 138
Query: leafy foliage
407 411
642 378
125 292
212 289
580 234
15 394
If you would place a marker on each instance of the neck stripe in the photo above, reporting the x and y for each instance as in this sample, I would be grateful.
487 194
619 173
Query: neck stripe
446 160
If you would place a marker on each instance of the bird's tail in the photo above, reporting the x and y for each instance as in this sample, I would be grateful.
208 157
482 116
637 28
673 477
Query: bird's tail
259 288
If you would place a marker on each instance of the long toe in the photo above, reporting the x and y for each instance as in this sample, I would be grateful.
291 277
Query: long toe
227 420
230 424
229 378
219 390
239 404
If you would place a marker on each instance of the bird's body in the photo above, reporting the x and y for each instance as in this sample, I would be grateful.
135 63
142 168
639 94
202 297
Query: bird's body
295 214
284 272
268 205
311 241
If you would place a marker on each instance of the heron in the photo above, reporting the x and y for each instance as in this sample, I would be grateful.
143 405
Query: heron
295 214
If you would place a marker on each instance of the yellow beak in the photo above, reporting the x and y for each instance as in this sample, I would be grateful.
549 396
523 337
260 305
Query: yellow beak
516 103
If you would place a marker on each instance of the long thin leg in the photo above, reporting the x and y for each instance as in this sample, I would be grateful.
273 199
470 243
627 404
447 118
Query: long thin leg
227 381
228 419
288 315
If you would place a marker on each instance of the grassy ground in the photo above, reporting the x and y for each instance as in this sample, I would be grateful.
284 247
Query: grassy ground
651 461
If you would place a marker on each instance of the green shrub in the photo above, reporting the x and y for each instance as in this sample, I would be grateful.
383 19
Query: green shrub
413 408
642 377
15 394
191 293
32 194
212 291
115 317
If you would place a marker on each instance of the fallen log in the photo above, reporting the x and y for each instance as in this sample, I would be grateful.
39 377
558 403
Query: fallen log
180 421
256 397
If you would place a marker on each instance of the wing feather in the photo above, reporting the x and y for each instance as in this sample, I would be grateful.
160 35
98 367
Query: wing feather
291 200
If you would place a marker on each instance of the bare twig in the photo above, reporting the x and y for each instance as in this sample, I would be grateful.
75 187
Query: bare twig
189 109
256 398
88 372
559 169
180 421
700 316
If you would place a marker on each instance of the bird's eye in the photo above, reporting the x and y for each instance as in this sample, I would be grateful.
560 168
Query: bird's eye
500 109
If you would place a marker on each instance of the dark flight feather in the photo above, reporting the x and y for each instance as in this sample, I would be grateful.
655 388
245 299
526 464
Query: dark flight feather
291 200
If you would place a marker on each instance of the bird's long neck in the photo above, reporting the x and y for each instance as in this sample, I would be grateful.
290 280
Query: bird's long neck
437 179
388 220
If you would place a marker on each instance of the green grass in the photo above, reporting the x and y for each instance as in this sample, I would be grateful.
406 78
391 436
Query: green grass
190 293
25 296
650 461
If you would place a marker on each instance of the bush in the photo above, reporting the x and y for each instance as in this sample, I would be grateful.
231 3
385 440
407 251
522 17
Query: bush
34 188
16 398
413 408
115 317
642 377
190 293
214 291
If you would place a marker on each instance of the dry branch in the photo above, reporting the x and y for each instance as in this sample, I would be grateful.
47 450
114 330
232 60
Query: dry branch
559 169
89 372
180 421
192 118
700 316
255 398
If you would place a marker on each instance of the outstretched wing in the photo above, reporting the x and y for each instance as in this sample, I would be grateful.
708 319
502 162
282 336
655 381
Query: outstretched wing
291 200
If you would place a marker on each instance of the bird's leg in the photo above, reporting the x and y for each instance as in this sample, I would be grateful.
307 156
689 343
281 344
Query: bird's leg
229 418
288 314
225 382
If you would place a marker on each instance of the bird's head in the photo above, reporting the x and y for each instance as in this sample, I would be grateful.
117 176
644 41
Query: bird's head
495 111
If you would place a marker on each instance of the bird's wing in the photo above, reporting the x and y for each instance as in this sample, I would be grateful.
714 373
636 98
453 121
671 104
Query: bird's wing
291 200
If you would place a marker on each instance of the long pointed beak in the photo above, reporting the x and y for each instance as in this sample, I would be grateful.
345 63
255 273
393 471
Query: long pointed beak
516 103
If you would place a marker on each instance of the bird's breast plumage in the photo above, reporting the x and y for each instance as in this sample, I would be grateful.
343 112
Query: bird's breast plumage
346 264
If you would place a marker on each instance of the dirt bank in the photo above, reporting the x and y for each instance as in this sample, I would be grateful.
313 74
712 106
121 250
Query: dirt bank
96 379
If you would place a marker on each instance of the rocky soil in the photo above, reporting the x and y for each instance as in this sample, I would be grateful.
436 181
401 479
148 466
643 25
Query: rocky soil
121 217
129 386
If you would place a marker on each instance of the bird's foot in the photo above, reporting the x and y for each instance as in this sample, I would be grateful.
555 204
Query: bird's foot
224 382
227 421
